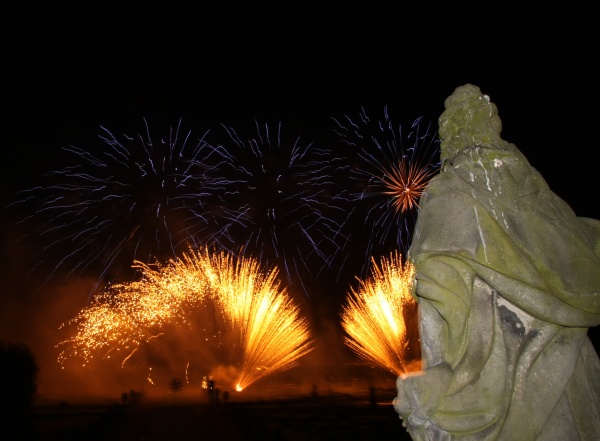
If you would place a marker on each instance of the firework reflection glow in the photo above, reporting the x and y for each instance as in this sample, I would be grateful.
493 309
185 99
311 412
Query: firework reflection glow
374 318
236 293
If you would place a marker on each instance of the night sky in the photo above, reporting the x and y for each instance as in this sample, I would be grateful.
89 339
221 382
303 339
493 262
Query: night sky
56 94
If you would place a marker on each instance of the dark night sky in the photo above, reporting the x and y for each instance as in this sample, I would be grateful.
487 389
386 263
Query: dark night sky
54 95
58 93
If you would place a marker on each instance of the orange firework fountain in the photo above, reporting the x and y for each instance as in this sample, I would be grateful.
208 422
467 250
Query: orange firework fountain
376 315
271 334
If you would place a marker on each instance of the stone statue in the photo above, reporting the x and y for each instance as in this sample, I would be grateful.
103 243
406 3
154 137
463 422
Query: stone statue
507 284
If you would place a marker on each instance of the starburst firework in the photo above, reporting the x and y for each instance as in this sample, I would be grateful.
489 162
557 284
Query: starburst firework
279 201
144 199
405 185
389 168
120 200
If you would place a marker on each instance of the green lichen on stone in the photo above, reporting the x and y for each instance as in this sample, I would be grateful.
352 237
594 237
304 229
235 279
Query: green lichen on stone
470 119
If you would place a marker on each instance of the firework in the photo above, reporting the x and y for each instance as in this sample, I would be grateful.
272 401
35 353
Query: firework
388 168
205 302
121 200
125 316
141 199
375 316
272 332
276 198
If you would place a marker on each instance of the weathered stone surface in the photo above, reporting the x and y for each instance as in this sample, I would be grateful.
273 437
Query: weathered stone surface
508 283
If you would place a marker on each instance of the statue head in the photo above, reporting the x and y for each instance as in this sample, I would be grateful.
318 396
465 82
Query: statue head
470 119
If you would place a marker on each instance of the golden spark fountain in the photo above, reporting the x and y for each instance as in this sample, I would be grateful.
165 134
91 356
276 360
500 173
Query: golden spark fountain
375 316
271 334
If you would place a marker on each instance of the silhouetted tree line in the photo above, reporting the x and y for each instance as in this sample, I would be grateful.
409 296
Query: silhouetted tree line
18 371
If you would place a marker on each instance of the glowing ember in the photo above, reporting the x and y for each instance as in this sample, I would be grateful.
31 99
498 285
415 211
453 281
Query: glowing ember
374 318
185 295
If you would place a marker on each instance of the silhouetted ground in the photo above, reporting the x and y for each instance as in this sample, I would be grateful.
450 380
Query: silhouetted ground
327 417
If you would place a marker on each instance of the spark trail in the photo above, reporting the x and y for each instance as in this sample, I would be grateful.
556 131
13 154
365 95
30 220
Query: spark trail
375 316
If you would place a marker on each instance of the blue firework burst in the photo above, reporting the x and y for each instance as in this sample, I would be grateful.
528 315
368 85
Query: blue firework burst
388 166
276 199
122 199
